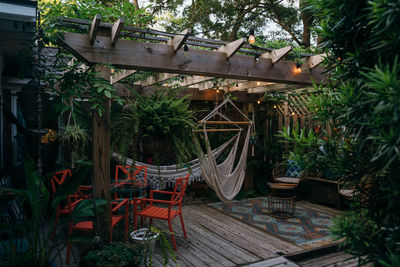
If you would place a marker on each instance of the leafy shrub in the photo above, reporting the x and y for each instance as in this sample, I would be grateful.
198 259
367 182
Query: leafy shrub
362 99
115 254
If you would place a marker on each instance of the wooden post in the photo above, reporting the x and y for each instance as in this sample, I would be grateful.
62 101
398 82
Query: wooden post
249 177
101 162
286 120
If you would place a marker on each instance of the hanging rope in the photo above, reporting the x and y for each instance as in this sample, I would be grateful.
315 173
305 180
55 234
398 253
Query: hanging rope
224 178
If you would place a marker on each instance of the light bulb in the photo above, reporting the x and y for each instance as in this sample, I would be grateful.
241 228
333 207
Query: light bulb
274 106
298 68
252 38
259 101
217 91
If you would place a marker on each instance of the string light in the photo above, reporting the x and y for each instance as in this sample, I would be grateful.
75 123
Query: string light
259 101
112 71
274 106
292 113
252 38
298 68
258 83
185 50
257 58
218 91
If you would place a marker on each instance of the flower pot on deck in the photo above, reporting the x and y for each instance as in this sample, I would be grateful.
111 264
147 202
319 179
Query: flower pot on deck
146 239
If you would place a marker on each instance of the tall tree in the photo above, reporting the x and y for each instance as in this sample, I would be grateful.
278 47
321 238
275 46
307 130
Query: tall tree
227 20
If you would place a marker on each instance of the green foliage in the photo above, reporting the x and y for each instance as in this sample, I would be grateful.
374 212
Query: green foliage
370 237
75 84
166 118
229 20
115 254
362 100
34 230
89 208
167 251
87 9
125 130
74 138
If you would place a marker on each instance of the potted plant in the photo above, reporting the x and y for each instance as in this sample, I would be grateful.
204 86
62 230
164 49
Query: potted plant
75 138
146 239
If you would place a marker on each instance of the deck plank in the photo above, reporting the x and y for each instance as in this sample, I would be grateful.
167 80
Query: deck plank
216 239
257 236
233 233
225 252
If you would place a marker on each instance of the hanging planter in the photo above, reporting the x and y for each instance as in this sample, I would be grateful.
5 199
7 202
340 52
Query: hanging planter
74 138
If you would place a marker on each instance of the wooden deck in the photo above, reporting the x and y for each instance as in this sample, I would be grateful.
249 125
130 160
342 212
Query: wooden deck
215 239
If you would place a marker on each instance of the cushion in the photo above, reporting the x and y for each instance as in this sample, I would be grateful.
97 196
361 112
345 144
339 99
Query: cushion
348 193
287 180
293 169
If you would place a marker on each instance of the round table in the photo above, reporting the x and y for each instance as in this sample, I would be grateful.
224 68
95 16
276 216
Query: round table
282 203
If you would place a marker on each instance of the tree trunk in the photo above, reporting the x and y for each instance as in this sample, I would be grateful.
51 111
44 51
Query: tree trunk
307 19
249 176
101 163
136 2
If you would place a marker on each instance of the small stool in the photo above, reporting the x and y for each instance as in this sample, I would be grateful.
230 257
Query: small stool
281 205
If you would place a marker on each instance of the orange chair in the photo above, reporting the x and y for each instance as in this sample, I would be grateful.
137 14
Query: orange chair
57 179
88 225
153 212
131 178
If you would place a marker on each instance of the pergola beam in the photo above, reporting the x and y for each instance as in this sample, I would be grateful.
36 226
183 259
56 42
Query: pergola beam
178 40
131 54
272 87
246 85
221 85
121 74
277 54
158 78
116 31
191 80
231 48
124 90
314 61
94 28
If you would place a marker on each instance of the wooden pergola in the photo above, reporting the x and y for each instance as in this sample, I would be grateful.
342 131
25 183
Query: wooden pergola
246 69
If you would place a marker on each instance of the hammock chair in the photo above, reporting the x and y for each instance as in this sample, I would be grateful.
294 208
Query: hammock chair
224 178
159 177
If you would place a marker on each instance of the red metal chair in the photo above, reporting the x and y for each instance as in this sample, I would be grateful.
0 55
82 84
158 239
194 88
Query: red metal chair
154 212
131 177
88 225
57 179
133 184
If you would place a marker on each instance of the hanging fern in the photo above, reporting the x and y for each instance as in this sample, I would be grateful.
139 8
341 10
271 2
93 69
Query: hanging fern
167 118
163 118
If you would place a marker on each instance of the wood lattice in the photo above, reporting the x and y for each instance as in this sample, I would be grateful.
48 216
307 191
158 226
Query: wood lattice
295 105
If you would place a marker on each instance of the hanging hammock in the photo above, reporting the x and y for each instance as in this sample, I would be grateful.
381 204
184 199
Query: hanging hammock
224 178
159 177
